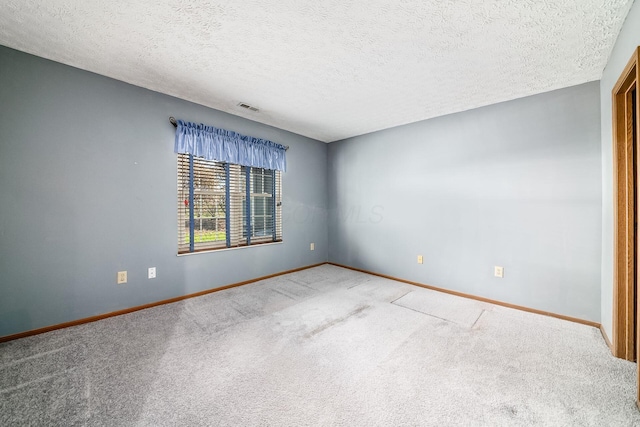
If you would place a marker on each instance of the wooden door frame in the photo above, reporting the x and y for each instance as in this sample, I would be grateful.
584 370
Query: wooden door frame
626 263
624 214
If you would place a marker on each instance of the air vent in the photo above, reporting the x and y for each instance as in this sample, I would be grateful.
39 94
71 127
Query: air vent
248 107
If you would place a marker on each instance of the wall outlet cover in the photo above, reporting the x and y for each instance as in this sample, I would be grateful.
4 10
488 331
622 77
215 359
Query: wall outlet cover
122 277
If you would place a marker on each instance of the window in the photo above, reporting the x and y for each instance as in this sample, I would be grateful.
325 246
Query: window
222 205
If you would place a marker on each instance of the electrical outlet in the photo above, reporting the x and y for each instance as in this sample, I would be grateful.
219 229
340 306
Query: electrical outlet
122 277
152 273
419 259
498 271
312 247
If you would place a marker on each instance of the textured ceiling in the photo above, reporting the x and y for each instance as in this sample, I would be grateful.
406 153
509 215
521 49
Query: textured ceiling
327 69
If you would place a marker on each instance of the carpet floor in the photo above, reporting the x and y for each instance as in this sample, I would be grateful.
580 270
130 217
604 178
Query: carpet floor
325 346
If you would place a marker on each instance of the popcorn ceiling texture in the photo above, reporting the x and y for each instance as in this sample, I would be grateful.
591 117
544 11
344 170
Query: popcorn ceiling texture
327 69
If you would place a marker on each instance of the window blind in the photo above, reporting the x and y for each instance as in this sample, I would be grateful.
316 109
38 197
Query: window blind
223 205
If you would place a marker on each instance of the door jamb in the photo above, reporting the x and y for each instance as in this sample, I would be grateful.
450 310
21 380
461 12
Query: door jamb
626 190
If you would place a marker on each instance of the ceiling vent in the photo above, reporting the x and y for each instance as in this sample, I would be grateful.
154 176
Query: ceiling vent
248 107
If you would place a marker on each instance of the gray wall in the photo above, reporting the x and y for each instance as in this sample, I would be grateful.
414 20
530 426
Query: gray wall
515 184
628 41
88 188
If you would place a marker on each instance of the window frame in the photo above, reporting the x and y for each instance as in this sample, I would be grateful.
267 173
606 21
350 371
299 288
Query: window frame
239 187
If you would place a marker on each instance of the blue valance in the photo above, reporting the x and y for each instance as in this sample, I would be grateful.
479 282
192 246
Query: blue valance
212 143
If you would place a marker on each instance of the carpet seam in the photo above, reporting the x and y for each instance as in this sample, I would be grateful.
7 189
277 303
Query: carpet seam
430 315
577 320
37 380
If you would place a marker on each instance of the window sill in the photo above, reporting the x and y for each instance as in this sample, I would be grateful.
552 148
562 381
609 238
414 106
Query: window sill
230 249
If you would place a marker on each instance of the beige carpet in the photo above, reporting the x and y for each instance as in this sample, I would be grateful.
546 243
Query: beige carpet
321 347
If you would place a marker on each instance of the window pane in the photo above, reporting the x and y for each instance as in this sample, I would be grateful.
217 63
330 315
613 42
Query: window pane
259 206
268 183
209 204
212 215
259 227
210 221
257 181
244 218
268 225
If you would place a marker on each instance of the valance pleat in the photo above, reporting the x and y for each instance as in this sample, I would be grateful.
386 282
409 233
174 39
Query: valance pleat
223 145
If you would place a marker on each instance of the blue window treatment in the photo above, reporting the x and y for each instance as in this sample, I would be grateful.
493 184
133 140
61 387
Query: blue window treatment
212 143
